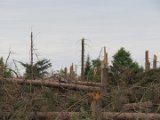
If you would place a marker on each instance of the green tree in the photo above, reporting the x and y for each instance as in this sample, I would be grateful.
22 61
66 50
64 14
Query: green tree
123 66
6 71
96 68
39 69
92 69
87 71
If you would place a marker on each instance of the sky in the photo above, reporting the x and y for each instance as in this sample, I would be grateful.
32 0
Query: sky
59 25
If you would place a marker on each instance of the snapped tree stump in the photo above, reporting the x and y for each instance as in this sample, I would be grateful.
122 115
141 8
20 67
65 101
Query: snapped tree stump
96 105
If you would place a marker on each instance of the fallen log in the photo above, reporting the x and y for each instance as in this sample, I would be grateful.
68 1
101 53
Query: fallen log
105 116
141 107
77 82
130 116
87 83
49 83
53 115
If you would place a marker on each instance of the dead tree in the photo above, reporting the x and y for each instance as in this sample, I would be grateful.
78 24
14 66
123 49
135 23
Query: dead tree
82 59
155 61
96 104
147 63
104 72
32 55
65 73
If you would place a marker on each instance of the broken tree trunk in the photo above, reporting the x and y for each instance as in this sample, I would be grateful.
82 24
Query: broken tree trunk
105 115
140 107
54 115
104 73
147 63
130 116
96 108
104 78
82 59
155 62
48 83
96 103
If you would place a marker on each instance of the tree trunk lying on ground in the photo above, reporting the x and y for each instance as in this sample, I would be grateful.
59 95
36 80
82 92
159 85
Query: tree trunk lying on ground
130 116
49 83
105 116
87 83
141 106
53 115
98 84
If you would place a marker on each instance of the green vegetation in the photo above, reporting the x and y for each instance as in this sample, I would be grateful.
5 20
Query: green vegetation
6 71
123 68
39 69
128 83
92 70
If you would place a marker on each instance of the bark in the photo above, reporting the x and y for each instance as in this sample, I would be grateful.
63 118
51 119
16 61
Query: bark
105 115
130 116
53 115
88 83
49 83
142 106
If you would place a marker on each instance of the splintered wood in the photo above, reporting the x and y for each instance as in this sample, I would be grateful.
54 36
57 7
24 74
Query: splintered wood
155 61
104 73
96 108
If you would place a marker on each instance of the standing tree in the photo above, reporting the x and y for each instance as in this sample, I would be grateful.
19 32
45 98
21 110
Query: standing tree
6 72
92 69
39 69
123 65
96 68
87 71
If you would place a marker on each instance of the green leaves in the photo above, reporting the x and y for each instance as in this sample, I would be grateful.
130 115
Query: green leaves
121 61
6 72
123 67
39 69
87 67
92 69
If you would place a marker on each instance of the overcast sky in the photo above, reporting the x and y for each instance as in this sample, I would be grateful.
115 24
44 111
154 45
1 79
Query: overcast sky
58 26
